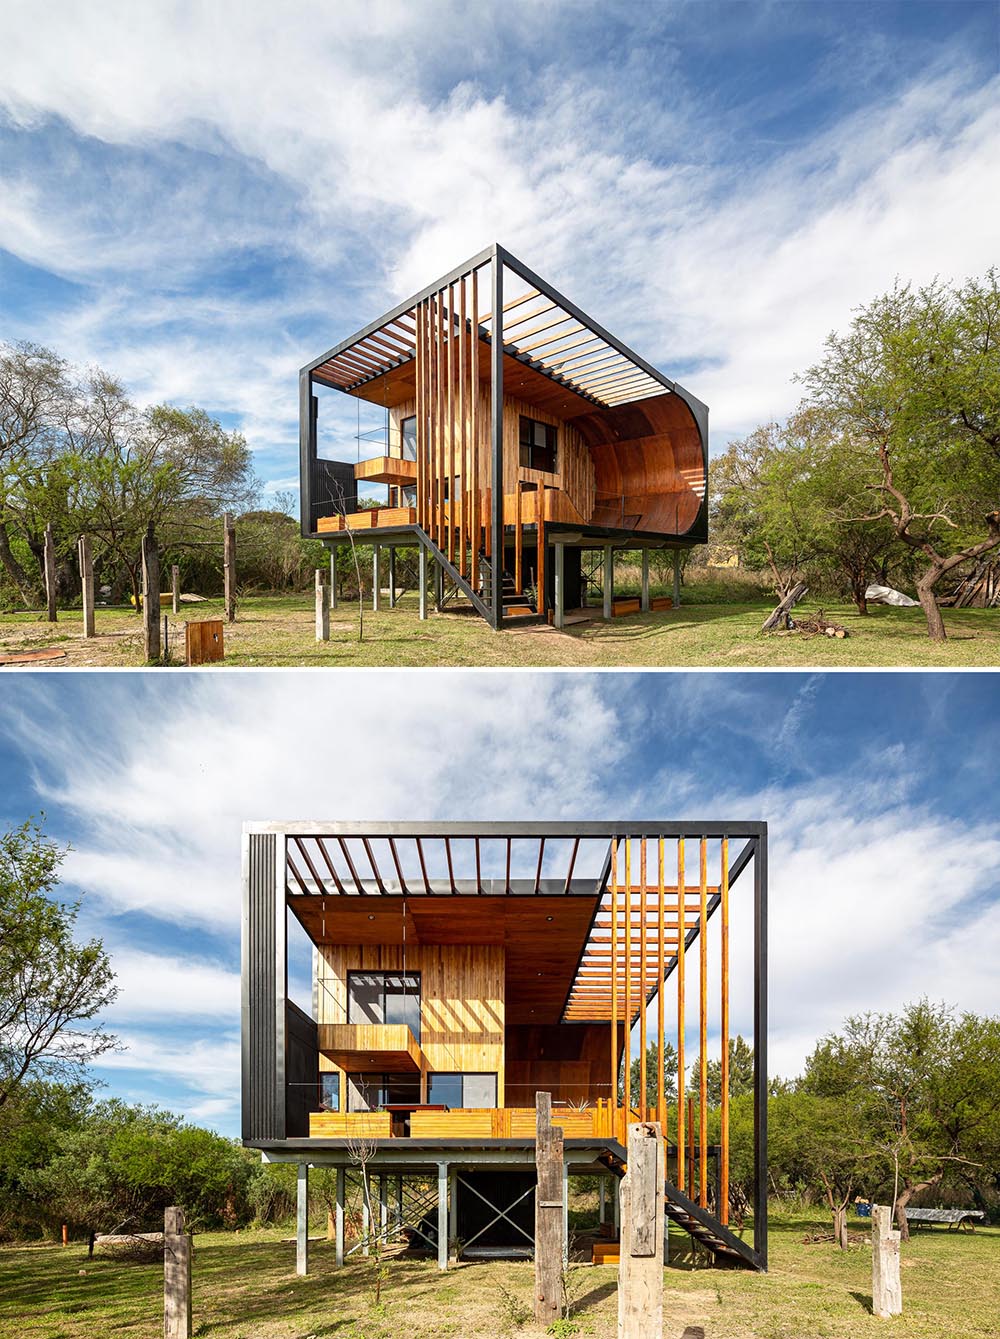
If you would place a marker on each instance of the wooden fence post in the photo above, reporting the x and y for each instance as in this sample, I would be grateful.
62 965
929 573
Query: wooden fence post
887 1290
229 566
87 585
548 1213
175 588
322 609
176 1276
150 595
50 574
640 1260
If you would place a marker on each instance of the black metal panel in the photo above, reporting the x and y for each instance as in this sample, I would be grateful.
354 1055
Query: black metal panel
334 489
496 406
263 1107
760 1051
501 1189
307 450
301 1070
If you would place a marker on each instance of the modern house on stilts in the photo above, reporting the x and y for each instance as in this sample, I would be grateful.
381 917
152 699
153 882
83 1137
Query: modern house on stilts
458 969
522 446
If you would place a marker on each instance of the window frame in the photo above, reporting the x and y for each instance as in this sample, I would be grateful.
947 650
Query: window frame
530 445
464 1074
418 994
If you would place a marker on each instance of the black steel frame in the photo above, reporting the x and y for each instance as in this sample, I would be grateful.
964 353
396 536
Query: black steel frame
265 971
499 259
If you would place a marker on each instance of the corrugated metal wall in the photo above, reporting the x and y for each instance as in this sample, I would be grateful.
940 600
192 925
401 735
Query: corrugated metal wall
263 1100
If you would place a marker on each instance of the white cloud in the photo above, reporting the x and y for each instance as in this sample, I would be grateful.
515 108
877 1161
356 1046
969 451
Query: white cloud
155 986
363 140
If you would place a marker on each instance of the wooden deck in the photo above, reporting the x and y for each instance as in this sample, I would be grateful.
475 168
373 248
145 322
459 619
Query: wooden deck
597 1122
371 518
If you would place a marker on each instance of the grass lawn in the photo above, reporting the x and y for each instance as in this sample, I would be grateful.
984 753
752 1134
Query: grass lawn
245 1286
280 631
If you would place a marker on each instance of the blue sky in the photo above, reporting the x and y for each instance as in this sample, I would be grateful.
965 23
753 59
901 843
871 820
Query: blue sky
879 789
203 197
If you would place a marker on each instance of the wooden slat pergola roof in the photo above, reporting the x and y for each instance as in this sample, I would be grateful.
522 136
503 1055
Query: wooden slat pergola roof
583 921
542 331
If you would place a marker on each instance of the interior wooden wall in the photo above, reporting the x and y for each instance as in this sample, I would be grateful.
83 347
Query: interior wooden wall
461 1004
568 1060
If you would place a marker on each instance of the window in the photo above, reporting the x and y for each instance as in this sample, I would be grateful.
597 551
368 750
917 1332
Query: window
329 1097
538 445
368 1092
384 997
462 1090
408 433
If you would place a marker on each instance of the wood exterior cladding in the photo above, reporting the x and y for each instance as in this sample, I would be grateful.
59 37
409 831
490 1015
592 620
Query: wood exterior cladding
573 480
461 1000
568 1060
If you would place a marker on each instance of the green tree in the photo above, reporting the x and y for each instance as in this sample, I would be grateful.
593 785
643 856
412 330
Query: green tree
50 985
915 382
652 1083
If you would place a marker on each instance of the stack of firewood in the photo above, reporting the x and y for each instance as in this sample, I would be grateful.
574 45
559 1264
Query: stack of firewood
818 625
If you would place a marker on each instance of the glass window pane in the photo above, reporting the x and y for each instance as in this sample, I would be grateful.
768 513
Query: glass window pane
329 1099
445 1089
408 428
402 1000
479 1090
364 1092
401 1089
364 997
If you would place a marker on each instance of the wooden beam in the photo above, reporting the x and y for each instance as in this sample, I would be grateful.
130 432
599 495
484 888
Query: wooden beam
703 1030
614 976
661 1100
450 414
474 432
680 1031
642 974
628 980
463 491
723 1206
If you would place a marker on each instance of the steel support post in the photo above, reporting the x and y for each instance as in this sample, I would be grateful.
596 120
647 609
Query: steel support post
383 1207
376 576
453 1215
565 1213
302 1220
392 576
422 572
677 578
442 1215
602 1197
760 1050
438 586
333 576
644 602
339 1214
560 585
608 584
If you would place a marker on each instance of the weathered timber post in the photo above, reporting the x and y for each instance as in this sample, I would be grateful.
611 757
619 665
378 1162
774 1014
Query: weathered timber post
640 1261
176 1276
548 1213
644 598
229 566
87 585
887 1290
302 1219
50 574
150 595
322 608
175 588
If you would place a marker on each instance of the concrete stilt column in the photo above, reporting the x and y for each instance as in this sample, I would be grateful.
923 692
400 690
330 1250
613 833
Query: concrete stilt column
453 1215
376 576
422 571
392 577
383 1206
609 579
399 1195
302 1220
644 602
565 1213
366 1215
558 616
442 1215
341 1187
333 577
602 1198
677 578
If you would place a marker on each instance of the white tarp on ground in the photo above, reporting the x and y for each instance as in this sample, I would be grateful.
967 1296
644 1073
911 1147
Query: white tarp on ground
886 595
